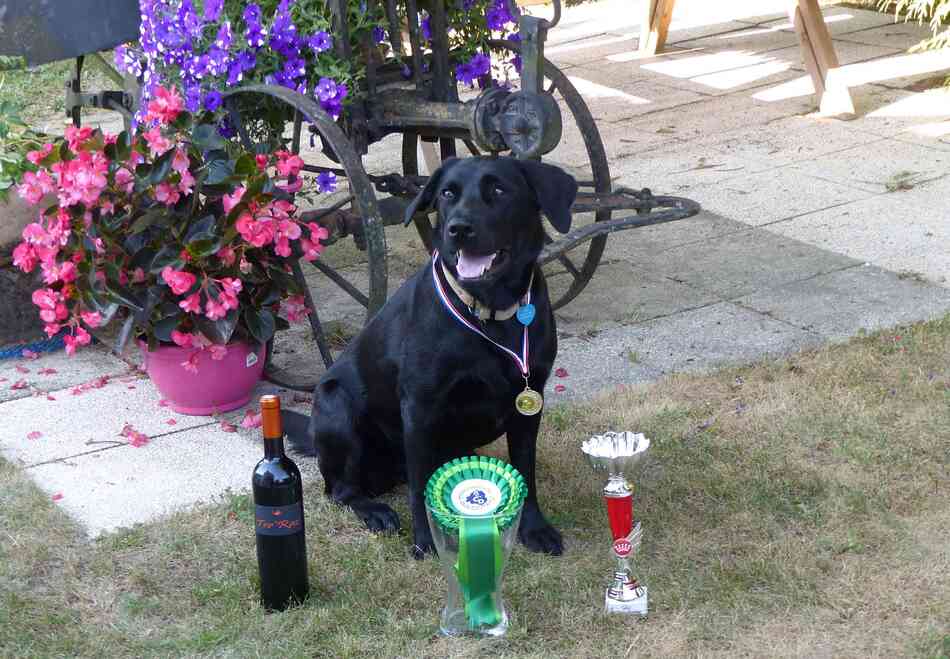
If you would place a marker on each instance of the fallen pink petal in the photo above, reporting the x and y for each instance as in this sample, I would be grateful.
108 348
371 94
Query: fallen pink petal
163 403
19 384
50 397
21 369
29 354
171 422
228 427
251 420
561 372
36 434
130 386
138 439
558 388
57 496
47 371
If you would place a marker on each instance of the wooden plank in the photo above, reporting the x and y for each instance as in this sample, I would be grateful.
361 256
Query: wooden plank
821 61
656 25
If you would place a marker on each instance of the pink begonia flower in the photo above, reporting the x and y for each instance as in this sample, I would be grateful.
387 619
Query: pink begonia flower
186 183
288 164
80 338
52 329
191 364
25 257
295 308
181 339
123 278
51 305
125 180
200 341
251 419
261 161
192 303
229 201
164 106
138 276
179 280
34 186
157 143
92 318
227 255
76 136
82 179
312 248
36 156
167 194
106 207
65 272
180 162
218 352
99 245
215 310
230 287
35 234
256 232
291 188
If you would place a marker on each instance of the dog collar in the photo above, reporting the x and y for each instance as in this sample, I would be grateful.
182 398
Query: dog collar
480 310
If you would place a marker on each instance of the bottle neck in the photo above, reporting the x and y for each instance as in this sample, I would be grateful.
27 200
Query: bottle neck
273 447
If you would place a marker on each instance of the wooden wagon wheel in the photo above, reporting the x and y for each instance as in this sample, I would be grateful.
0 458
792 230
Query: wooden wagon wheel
579 263
360 204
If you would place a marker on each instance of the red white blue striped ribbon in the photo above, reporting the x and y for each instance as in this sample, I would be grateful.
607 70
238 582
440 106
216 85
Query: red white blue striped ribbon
521 361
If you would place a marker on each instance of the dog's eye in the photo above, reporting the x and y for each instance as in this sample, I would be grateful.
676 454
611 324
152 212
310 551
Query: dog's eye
448 194
498 191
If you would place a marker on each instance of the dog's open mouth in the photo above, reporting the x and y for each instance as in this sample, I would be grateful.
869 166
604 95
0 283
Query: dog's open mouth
473 266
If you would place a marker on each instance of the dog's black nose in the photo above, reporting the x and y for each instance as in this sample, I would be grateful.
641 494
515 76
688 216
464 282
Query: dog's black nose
461 229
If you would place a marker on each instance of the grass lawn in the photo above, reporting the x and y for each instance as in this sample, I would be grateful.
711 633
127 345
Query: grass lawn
791 508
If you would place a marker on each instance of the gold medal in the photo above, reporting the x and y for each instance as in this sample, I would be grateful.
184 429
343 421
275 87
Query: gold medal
529 402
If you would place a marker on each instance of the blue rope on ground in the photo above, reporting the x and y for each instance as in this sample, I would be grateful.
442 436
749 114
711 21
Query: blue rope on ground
51 344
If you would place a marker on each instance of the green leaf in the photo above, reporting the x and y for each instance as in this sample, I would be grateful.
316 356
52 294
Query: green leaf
148 219
260 323
200 249
203 229
123 296
161 167
219 169
206 137
245 165
163 328
168 255
219 331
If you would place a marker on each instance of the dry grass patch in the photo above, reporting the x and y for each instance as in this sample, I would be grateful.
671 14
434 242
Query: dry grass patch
791 508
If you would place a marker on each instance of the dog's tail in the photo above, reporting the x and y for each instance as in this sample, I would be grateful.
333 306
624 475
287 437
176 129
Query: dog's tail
298 432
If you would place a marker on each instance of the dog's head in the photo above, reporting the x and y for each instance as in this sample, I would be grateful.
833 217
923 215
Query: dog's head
489 230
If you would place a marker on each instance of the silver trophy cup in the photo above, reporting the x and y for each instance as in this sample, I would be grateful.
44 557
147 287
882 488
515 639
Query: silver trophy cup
616 454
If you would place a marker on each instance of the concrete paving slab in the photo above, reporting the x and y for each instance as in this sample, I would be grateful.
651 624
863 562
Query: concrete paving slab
838 304
721 115
695 340
92 421
773 195
848 52
639 245
788 140
863 167
621 293
741 263
889 112
53 371
618 92
904 231
840 20
717 72
756 39
900 36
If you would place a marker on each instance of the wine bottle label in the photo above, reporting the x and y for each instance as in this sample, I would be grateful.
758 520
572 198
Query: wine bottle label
278 520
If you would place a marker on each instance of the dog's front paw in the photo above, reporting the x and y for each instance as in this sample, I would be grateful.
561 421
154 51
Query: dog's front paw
422 545
378 517
537 535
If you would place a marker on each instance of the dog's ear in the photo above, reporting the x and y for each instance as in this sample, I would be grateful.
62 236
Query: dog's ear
555 190
426 196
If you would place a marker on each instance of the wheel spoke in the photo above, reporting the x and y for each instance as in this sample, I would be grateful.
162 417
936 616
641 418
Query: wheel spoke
472 148
342 282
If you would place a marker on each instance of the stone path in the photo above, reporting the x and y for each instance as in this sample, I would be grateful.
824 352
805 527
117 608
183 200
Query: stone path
813 229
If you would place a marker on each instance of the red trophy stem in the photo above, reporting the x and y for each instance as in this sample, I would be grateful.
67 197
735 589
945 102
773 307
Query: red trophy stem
620 512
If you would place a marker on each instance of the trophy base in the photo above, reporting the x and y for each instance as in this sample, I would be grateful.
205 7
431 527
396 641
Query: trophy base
635 606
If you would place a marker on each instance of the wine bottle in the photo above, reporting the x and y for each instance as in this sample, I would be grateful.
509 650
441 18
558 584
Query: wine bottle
278 517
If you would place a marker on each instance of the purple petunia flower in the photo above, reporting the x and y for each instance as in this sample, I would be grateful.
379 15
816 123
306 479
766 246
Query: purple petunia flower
212 11
235 73
326 182
379 34
326 89
255 33
426 28
212 100
497 18
481 64
465 74
320 42
192 98
223 40
295 67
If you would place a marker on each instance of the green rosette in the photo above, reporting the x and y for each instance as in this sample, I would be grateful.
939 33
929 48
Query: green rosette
477 498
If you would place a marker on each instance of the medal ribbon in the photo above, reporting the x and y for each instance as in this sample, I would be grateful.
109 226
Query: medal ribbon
478 568
522 360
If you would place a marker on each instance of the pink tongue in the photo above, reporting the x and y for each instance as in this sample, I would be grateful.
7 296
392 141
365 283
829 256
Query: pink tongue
472 266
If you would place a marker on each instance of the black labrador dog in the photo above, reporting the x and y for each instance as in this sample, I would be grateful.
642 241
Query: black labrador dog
417 388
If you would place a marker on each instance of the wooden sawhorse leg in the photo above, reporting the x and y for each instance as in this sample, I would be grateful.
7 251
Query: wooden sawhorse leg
656 25
821 61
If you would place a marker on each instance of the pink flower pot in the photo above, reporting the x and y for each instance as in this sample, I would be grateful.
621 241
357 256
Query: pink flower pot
218 386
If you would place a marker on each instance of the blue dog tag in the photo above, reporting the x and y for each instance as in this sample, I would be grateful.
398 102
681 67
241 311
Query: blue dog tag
525 314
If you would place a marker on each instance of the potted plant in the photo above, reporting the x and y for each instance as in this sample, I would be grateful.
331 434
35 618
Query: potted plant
177 234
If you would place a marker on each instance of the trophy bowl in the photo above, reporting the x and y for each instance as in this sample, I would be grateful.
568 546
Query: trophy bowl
616 452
